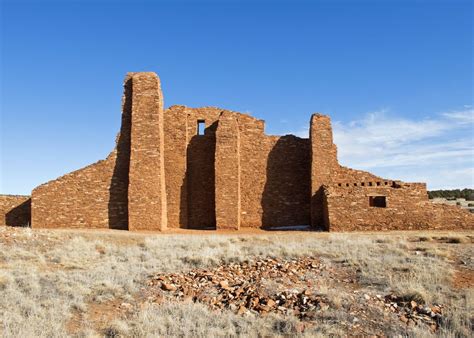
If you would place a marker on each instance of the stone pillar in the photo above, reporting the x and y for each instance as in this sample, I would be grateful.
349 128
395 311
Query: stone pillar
175 128
323 165
146 190
227 173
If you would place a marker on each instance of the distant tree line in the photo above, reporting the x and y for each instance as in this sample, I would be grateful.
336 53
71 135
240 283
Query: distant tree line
468 194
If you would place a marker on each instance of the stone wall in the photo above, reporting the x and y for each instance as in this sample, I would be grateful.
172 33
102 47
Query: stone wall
176 145
324 166
227 173
406 208
92 197
275 177
189 166
164 173
15 210
147 208
200 169
274 171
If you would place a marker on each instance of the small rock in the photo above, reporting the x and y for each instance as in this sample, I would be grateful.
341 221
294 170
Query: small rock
271 303
300 327
126 306
242 310
168 287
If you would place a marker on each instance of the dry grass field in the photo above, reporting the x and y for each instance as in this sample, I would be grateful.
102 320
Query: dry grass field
56 283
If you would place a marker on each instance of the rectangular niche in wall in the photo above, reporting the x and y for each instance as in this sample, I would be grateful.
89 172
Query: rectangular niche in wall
378 201
201 126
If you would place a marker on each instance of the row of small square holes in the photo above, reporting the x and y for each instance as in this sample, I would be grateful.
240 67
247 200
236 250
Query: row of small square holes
368 183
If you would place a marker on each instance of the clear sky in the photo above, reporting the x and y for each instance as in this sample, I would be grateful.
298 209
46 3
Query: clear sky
396 77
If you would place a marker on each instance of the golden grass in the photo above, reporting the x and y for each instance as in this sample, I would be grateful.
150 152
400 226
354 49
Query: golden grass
47 276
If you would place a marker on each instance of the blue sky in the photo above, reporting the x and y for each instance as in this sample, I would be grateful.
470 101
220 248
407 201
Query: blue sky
396 77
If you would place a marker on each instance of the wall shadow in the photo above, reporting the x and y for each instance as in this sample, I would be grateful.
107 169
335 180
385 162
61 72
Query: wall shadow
19 216
183 204
287 193
319 211
118 200
199 184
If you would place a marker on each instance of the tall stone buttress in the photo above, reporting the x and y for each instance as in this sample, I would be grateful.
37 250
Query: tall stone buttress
323 164
227 173
146 190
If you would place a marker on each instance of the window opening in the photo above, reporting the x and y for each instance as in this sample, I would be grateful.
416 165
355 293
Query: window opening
201 126
378 201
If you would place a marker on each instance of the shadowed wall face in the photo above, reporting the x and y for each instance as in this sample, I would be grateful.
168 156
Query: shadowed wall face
274 177
286 196
189 166
15 210
200 182
118 199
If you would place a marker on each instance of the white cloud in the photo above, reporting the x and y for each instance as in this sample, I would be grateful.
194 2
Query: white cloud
463 116
437 150
303 132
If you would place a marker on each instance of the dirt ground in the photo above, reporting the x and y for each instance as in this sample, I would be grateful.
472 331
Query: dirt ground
253 283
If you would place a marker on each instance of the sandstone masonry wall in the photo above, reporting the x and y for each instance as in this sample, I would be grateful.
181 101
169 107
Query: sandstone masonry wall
200 168
77 200
166 172
275 177
15 210
324 165
227 173
189 166
407 208
176 144
147 207
94 196
274 171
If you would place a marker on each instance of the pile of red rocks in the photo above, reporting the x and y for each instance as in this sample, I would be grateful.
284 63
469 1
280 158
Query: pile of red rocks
242 287
412 312
289 287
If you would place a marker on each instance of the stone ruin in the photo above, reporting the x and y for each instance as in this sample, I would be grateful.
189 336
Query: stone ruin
211 168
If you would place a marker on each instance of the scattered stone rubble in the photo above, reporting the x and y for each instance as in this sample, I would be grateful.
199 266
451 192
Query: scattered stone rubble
412 312
242 289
